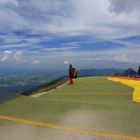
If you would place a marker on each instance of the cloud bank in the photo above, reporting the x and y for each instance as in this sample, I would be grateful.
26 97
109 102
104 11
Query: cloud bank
102 18
86 32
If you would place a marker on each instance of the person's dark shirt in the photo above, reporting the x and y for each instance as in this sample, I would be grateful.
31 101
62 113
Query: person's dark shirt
70 72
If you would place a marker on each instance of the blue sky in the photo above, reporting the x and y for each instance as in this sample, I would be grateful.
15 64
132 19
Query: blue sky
89 34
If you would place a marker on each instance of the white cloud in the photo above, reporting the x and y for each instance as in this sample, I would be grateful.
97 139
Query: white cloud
35 62
7 52
127 6
5 59
11 56
122 58
10 20
14 2
60 48
66 62
102 18
11 40
6 56
17 57
97 18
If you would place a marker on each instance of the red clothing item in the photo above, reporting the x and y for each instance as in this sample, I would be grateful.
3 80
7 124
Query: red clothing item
71 80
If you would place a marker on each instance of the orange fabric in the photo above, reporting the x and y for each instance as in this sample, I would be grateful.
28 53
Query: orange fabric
131 82
135 79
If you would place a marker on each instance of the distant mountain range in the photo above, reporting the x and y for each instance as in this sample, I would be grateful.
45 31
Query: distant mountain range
129 73
105 72
100 72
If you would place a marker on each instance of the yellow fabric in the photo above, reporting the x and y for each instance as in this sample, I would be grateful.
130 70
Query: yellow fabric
131 83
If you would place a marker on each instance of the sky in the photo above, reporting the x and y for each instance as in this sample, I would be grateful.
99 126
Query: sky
50 34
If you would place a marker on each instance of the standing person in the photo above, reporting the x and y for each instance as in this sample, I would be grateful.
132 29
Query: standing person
71 74
139 71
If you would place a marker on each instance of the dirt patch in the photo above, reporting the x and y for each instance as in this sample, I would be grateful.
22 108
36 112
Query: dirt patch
42 93
83 118
86 119
50 91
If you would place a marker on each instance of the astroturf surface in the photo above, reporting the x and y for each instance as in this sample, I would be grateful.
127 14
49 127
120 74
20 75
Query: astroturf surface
91 103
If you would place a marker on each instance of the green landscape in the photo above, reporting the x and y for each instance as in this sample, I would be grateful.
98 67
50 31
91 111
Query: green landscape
93 108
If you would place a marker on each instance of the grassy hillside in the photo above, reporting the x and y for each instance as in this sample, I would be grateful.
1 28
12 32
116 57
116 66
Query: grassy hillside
92 103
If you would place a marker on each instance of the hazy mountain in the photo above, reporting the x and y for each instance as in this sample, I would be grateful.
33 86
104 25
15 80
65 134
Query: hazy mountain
129 72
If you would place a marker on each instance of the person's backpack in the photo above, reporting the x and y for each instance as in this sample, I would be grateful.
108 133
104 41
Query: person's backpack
74 73
139 71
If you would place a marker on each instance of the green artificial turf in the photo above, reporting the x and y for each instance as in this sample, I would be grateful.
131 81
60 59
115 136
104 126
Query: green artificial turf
94 85
110 102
